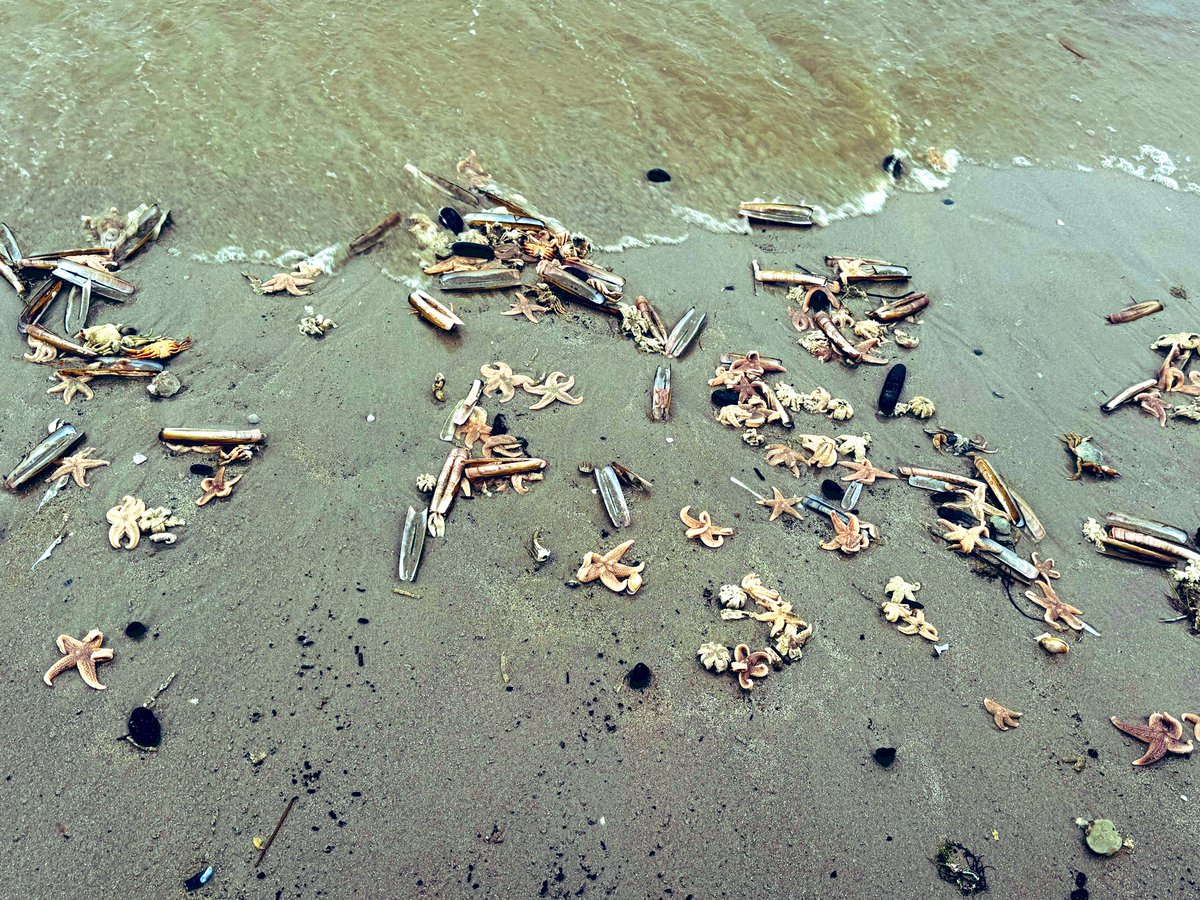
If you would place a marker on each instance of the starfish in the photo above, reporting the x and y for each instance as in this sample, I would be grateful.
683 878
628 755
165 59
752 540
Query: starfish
613 574
780 505
505 445
554 388
1164 735
42 352
703 529
975 502
900 591
967 538
70 385
823 450
752 585
864 472
525 306
783 455
1004 717
475 428
292 282
848 537
123 522
499 379
77 466
749 666
1056 609
1045 566
854 445
1152 403
779 615
82 655
217 486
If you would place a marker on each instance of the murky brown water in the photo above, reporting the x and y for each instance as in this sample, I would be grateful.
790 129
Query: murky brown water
273 125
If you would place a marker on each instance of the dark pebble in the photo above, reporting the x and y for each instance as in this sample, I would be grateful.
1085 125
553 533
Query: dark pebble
947 202
1080 880
204 471
885 756
639 677
831 490
135 631
472 250
1079 894
658 176
449 217
144 727
499 424
729 287
724 397
977 351
893 166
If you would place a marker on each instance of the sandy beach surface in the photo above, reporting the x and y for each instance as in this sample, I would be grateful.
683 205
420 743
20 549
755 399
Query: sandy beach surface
421 772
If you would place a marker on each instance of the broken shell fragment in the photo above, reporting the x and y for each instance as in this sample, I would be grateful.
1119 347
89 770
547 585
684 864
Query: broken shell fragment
1051 644
434 311
732 596
164 385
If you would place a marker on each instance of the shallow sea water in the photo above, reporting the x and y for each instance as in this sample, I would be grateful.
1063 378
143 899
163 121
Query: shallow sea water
275 125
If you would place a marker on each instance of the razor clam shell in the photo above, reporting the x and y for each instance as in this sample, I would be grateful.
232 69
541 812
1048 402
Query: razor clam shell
1126 395
11 248
149 225
684 333
575 288
1020 567
1000 490
851 496
778 213
412 542
480 280
662 383
1033 524
444 185
612 496
211 436
40 300
1148 526
103 283
508 220
79 304
587 270
825 508
43 455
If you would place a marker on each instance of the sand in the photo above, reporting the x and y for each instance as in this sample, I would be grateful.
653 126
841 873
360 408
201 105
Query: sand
421 773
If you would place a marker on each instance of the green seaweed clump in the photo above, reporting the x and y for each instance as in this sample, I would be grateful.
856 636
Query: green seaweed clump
960 867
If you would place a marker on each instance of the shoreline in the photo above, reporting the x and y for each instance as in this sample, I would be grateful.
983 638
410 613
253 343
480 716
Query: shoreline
389 716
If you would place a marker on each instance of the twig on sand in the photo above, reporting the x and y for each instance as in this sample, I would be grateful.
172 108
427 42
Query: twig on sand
278 825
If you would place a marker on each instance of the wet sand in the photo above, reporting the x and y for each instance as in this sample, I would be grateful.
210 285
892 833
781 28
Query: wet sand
421 773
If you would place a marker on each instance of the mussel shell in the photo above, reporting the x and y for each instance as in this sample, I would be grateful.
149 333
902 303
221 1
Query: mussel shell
893 387
831 490
472 250
451 219
957 516
144 727
724 397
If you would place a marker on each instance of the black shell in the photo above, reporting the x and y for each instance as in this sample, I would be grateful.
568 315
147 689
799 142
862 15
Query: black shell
144 727
473 250
893 387
658 176
449 217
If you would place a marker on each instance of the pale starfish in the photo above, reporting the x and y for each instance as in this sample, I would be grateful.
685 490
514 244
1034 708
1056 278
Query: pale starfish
1164 734
822 449
967 538
749 666
901 591
123 521
1004 717
783 455
555 387
854 445
864 472
506 445
1045 566
702 528
1056 609
82 655
42 352
77 466
781 505
292 282
612 573
476 428
70 385
217 486
526 306
752 585
975 502
1152 403
739 415
498 378
779 615
848 537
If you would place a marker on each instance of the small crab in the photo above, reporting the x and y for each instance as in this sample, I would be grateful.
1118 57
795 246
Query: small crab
1088 457
945 441
160 349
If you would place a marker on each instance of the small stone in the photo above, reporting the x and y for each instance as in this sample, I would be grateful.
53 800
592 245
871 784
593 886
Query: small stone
253 419
885 756
135 630
1103 837
139 458
164 385
370 417
658 176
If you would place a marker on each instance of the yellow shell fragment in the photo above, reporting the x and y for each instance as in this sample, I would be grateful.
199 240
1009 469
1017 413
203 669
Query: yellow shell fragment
1052 644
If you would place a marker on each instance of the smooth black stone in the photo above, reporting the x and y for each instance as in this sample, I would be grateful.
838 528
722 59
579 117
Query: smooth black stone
135 630
450 218
831 490
977 352
472 250
724 397
893 165
639 677
144 727
947 202
499 424
1079 894
658 176
885 756
202 470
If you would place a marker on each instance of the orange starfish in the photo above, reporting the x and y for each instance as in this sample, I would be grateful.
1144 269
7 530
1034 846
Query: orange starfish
781 505
82 655
864 472
703 529
849 537
1164 734
523 305
217 486
1056 609
612 573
